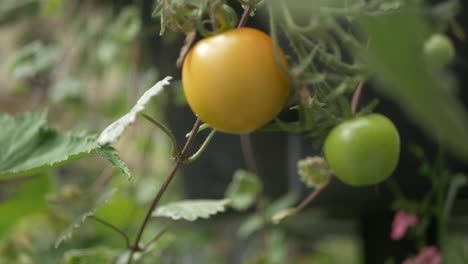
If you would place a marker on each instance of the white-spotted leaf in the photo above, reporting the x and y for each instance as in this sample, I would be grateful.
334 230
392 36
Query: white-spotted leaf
192 210
115 130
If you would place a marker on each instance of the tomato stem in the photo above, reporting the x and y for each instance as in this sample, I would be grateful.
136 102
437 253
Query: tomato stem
179 159
245 16
113 227
307 200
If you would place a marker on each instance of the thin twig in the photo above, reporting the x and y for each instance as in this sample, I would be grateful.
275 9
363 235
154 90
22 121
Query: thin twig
202 148
178 161
100 181
158 235
356 95
113 227
307 200
245 16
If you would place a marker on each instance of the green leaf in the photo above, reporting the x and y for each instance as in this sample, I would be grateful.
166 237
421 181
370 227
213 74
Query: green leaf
68 232
277 243
426 94
33 59
115 130
261 260
282 203
97 255
69 89
191 210
242 191
28 199
110 153
28 147
249 226
390 5
52 7
255 222
128 24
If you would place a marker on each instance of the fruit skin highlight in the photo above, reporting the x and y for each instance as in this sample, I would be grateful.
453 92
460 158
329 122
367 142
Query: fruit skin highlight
364 150
232 81
439 50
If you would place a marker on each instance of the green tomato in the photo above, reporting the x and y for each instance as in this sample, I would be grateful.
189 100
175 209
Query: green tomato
364 150
439 50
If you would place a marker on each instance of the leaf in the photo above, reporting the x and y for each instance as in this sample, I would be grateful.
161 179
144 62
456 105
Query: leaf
110 153
191 210
97 255
115 130
249 226
284 202
128 24
33 59
243 189
27 147
69 89
28 199
426 94
67 233
50 8
255 222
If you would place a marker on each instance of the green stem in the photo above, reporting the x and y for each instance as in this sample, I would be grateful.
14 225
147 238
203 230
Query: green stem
348 39
113 227
332 61
202 148
200 129
165 130
456 183
179 160
158 235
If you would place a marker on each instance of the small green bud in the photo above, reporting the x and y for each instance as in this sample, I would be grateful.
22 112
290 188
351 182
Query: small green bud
439 50
314 171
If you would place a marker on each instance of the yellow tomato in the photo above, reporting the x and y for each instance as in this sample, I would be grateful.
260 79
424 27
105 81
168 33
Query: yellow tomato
232 81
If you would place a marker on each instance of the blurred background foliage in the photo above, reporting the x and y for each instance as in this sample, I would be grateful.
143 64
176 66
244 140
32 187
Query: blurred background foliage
89 61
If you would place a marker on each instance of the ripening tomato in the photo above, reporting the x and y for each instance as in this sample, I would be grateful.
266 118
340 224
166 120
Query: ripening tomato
364 150
232 81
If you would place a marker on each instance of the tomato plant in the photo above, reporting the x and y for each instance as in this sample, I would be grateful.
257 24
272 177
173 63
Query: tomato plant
364 150
232 81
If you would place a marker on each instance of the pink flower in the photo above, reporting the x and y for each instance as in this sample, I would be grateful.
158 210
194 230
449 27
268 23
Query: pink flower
401 223
427 255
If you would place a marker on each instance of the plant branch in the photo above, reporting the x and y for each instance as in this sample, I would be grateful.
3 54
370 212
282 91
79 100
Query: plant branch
200 129
356 96
178 161
248 154
244 16
113 227
158 235
307 200
202 148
